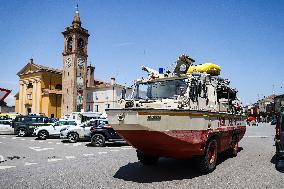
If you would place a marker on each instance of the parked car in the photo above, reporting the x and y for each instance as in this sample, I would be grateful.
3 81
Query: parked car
25 125
53 130
279 136
73 134
251 120
5 126
104 133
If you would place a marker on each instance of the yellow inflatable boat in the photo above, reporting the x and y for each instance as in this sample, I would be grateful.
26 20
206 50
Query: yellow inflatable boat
210 68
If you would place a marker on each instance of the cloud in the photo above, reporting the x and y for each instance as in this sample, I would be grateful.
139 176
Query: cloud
123 44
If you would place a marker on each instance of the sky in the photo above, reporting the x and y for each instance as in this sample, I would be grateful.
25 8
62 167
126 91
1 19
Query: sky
244 37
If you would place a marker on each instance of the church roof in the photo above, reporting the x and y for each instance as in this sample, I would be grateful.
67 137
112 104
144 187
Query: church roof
31 67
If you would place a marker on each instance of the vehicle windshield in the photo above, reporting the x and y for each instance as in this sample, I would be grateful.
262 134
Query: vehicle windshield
160 89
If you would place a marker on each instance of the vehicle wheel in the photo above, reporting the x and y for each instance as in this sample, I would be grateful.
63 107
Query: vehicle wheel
146 159
98 140
22 132
234 149
207 162
73 137
43 135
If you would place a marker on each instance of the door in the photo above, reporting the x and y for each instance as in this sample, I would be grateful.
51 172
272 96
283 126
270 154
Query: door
55 130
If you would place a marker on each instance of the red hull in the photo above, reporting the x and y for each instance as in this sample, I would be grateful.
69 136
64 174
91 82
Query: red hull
179 144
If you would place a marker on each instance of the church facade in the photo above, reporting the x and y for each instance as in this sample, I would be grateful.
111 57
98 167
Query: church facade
40 90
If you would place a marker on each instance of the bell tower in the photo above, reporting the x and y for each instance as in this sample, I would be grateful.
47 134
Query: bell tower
75 56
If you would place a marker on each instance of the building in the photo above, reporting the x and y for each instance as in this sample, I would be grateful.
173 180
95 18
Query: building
75 54
40 90
106 95
55 93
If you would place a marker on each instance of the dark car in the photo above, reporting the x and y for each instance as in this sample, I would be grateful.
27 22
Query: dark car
279 136
103 133
25 125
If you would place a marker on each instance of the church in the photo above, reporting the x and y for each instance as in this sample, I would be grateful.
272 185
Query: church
55 93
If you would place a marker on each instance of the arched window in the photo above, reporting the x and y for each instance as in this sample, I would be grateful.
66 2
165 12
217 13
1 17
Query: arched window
69 43
58 86
80 43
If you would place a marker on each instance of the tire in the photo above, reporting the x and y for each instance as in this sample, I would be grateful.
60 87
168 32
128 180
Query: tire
98 140
22 132
234 149
146 159
207 162
73 137
43 135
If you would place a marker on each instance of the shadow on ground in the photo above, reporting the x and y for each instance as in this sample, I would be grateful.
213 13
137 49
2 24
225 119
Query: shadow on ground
114 144
279 163
166 169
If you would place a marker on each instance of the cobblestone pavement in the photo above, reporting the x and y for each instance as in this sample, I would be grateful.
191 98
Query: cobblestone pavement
30 163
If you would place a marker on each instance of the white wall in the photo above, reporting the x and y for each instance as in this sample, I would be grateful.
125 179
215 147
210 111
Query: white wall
107 98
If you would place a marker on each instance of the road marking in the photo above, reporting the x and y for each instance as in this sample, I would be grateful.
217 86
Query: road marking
88 154
39 149
102 152
32 140
70 157
77 144
53 160
257 136
13 138
114 150
3 137
66 144
27 164
58 143
23 139
50 142
1 142
1 158
40 141
126 148
6 167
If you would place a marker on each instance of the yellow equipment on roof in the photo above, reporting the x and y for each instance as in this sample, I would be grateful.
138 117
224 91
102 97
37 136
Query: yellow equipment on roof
210 68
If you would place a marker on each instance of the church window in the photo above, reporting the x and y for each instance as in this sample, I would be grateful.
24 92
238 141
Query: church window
67 91
69 43
29 96
30 85
80 43
68 73
58 86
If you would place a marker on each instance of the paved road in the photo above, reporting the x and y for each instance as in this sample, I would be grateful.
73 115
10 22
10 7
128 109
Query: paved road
29 163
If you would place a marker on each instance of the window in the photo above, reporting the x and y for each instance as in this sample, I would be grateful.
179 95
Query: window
72 123
80 43
58 86
89 107
96 108
107 106
69 43
30 85
29 96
